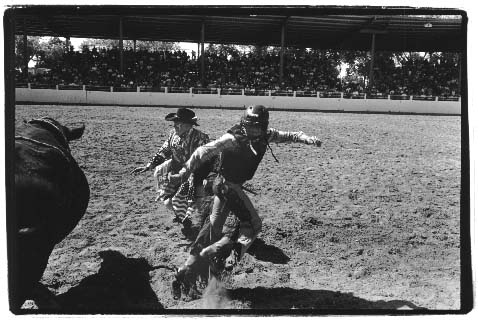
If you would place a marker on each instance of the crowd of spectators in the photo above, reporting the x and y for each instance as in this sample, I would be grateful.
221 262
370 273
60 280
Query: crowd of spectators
308 71
417 76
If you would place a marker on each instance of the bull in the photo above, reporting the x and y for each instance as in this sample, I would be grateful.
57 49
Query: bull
51 196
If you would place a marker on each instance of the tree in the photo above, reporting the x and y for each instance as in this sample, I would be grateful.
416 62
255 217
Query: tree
33 47
223 49
129 44
50 52
154 45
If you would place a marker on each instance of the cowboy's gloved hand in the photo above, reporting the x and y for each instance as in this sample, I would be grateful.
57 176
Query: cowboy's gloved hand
313 141
140 169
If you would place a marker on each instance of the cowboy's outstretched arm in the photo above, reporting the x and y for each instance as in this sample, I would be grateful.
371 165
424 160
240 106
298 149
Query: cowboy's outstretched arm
204 153
277 136
161 155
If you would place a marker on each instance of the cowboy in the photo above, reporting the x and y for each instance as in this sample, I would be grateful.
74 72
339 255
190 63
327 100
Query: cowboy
182 141
241 150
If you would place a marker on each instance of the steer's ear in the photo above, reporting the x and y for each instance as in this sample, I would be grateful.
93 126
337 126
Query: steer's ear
75 132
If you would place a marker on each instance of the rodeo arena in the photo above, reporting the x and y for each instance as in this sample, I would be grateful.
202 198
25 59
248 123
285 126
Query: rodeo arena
296 160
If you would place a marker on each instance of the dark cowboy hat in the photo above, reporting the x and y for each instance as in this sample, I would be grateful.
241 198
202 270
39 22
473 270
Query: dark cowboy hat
184 115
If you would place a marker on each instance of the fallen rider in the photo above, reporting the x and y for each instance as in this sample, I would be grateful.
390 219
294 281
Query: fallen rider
240 151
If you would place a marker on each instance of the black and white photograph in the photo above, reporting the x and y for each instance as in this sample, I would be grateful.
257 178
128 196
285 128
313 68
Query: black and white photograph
237 160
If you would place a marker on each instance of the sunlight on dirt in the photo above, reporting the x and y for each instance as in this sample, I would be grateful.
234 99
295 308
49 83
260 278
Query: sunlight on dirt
369 220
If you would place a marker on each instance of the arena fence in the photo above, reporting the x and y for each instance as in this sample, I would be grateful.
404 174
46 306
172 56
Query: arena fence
236 98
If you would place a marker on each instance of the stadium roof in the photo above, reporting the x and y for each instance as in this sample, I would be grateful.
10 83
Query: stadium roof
402 29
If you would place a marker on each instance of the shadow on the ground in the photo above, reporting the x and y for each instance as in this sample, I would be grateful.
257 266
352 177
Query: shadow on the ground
319 300
269 253
121 285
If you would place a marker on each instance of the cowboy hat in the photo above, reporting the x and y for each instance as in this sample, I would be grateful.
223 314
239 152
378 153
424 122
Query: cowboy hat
184 115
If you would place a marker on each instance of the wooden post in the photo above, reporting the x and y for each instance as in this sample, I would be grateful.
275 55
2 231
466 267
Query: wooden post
202 54
282 44
121 44
25 51
372 59
459 73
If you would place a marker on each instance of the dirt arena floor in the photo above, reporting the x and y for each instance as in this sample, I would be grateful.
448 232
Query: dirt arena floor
371 220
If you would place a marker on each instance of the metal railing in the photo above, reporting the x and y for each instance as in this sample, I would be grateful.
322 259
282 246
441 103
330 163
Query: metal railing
424 98
125 89
239 91
42 86
70 87
231 91
282 93
376 96
354 96
205 91
178 90
449 98
305 93
152 89
399 97
97 88
330 94
253 92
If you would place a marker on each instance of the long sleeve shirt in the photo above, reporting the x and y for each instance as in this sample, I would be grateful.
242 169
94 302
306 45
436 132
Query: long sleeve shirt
179 148
228 141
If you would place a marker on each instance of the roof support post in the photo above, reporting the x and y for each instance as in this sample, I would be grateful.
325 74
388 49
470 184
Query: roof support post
202 54
134 45
459 73
282 44
372 59
67 44
121 44
25 51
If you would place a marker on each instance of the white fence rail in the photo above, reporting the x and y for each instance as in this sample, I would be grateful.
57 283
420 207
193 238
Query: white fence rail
214 98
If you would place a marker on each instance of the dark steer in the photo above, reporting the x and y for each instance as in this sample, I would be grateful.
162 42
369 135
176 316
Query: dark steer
51 196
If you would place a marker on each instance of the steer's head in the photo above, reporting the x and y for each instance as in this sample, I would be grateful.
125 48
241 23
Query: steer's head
65 133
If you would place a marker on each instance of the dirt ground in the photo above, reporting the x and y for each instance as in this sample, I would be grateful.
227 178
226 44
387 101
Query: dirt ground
371 220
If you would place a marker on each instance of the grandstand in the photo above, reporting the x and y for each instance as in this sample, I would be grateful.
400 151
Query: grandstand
289 71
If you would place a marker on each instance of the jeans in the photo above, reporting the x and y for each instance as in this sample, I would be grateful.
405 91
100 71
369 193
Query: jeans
248 231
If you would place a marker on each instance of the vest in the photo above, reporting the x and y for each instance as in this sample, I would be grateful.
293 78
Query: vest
239 165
